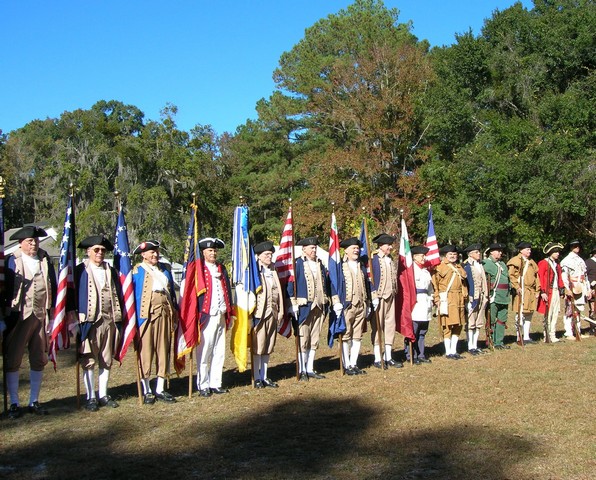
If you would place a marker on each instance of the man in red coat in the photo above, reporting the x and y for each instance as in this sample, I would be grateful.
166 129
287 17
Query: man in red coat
551 286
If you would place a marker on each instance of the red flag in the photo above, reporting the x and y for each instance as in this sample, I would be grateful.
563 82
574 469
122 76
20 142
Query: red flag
432 257
406 293
192 286
284 264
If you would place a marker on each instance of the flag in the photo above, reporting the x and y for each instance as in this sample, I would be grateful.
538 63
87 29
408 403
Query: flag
284 264
432 257
337 325
59 339
247 283
123 265
191 287
2 278
406 292
365 250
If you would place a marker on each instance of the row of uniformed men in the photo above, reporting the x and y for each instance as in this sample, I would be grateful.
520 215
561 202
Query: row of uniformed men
460 294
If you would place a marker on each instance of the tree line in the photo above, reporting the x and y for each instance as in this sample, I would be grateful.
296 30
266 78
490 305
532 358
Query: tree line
496 130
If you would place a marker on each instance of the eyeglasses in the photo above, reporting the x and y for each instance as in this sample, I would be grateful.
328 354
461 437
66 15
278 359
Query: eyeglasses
99 249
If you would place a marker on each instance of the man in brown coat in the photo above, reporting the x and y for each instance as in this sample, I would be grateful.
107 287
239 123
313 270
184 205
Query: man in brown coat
268 312
523 274
450 295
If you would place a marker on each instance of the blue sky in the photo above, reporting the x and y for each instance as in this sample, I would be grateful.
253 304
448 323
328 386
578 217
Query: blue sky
212 59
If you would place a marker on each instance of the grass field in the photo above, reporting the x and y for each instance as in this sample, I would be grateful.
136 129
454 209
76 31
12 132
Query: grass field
525 413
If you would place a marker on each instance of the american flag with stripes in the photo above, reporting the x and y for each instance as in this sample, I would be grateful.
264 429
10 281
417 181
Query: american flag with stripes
123 265
432 257
284 264
59 339
337 325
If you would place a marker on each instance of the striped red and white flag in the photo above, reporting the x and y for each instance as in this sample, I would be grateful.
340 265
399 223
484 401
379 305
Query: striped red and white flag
59 339
284 264
123 265
432 257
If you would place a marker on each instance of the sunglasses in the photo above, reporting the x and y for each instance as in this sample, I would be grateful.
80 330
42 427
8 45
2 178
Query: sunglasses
99 249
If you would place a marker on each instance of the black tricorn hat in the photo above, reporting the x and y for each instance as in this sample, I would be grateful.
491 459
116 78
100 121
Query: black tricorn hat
496 246
211 242
522 245
146 246
384 239
348 242
472 247
552 247
96 240
419 250
447 249
265 246
30 231
308 241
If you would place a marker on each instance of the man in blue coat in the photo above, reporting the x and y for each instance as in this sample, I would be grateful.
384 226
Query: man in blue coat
309 304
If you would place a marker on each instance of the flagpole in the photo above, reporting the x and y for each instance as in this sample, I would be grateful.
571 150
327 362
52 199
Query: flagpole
193 206
410 343
340 336
297 328
4 386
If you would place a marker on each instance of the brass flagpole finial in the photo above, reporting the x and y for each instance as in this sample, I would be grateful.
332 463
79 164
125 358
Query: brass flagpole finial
118 200
194 200
242 200
71 188
333 207
2 185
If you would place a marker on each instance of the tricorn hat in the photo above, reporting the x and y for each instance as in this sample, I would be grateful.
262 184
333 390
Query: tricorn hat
447 248
96 240
575 243
266 246
472 247
348 242
552 247
496 246
419 250
146 246
211 242
30 231
384 239
306 241
522 245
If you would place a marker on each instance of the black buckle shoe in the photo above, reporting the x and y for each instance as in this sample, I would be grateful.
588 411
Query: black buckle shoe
149 399
350 371
259 384
424 360
315 374
205 393
393 363
37 409
14 411
165 397
108 401
270 383
92 405
219 391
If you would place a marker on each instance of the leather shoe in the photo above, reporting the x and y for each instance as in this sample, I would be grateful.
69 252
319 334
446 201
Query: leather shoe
458 356
474 352
270 383
502 347
149 399
14 411
417 362
205 393
303 377
424 360
315 374
108 401
393 363
92 405
37 409
359 371
529 341
350 371
451 357
259 383
219 391
165 397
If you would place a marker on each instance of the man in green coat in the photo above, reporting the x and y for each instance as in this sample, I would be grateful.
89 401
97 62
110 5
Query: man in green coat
498 292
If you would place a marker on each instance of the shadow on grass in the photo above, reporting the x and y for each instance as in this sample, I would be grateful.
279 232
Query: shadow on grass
293 439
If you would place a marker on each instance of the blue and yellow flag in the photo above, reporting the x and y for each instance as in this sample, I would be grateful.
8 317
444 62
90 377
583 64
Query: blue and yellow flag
247 283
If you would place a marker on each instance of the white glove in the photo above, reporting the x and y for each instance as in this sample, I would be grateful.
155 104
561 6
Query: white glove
73 328
2 326
367 312
375 303
337 308
469 307
295 310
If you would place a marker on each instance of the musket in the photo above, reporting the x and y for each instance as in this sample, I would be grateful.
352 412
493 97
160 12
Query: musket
576 320
487 324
